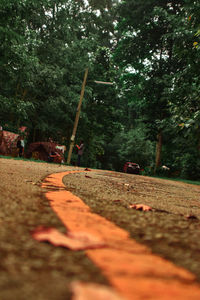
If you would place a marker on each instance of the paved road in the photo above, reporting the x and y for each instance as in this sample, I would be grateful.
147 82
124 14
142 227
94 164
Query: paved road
32 270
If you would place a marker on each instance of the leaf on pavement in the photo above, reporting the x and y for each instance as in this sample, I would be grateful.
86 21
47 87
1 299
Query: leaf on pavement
192 217
141 207
87 176
71 240
91 291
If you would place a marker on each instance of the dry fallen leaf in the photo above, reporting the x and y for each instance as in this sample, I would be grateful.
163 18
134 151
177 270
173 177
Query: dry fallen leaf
140 207
91 291
71 240
86 169
192 217
87 176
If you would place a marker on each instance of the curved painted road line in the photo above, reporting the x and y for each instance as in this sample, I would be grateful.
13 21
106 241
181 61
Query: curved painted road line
130 267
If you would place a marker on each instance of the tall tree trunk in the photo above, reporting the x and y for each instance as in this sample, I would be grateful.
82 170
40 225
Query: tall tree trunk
24 94
158 151
34 135
198 134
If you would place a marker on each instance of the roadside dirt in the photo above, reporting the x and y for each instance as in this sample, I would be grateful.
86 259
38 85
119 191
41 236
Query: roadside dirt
40 271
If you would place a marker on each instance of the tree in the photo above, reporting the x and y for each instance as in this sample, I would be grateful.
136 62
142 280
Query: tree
150 35
46 47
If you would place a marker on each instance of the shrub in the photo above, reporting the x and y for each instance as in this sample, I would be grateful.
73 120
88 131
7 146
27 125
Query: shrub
190 166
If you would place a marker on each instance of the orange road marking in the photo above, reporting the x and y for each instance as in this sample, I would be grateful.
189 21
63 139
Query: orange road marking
130 267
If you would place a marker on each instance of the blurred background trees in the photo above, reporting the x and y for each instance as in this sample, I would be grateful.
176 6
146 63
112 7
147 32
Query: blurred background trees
149 50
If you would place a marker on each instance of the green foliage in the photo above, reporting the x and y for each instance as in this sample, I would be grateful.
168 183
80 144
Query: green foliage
131 146
146 48
159 74
190 166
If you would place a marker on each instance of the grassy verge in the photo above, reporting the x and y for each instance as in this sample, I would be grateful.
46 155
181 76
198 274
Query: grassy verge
178 179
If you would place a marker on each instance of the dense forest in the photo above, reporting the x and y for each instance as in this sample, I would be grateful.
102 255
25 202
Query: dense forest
148 49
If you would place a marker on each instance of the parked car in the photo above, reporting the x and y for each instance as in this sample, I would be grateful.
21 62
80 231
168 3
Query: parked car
131 168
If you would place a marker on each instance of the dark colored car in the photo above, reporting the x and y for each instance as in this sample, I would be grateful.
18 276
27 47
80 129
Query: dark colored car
131 168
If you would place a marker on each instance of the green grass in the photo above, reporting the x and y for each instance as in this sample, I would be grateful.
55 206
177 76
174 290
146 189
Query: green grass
179 179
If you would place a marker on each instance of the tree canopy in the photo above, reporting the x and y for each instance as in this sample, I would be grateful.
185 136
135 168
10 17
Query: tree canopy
148 49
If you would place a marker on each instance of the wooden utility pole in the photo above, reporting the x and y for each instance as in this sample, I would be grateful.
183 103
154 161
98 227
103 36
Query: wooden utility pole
77 118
